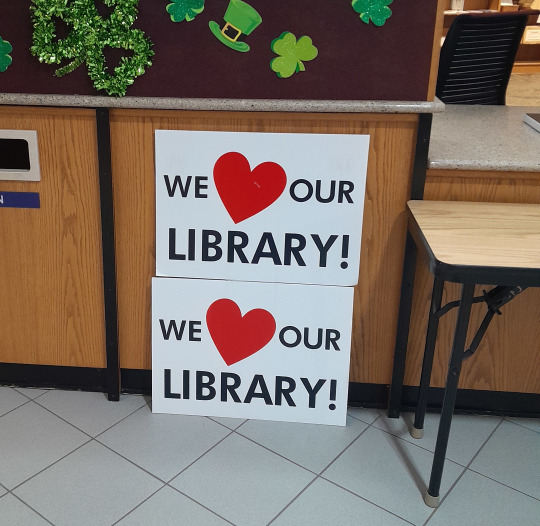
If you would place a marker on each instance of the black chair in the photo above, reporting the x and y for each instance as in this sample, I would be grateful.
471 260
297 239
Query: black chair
477 57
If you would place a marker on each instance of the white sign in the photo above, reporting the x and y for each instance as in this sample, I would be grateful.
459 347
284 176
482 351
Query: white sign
279 207
251 350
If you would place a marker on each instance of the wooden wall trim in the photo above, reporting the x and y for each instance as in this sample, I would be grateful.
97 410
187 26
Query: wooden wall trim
435 174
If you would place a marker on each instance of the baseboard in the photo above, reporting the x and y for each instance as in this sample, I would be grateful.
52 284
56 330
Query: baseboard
360 394
53 376
503 403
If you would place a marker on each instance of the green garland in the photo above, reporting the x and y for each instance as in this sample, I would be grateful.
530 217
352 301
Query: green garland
90 34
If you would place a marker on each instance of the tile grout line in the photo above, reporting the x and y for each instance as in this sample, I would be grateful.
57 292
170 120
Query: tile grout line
50 465
292 461
238 433
28 506
82 430
519 424
419 445
200 504
293 500
164 483
121 420
138 505
199 457
466 468
90 437
505 485
45 391
15 408
130 461
275 453
381 412
345 449
366 500
350 491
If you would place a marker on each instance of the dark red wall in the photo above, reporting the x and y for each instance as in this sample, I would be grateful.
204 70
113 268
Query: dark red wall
356 61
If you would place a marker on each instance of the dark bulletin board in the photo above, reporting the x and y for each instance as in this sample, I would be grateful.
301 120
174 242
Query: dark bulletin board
356 61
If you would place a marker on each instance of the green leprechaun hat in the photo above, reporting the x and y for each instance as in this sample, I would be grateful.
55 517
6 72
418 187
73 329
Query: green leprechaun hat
240 19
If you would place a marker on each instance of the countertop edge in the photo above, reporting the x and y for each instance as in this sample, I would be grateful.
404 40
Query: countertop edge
484 138
457 165
270 105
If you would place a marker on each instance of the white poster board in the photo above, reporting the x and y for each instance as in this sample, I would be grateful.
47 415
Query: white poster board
251 350
275 207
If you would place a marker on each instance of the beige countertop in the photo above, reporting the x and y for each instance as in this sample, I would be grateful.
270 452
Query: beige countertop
161 103
484 138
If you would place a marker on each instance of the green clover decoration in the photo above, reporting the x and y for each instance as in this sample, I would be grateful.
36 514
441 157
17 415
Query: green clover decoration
292 53
90 34
185 9
375 10
5 59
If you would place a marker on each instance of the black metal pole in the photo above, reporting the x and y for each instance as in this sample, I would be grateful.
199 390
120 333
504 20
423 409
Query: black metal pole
409 267
402 334
108 250
429 351
449 401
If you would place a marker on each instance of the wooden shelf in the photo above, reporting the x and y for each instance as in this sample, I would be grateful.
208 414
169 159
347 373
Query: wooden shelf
528 56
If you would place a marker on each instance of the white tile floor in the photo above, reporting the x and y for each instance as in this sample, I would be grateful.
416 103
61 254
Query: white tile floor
75 459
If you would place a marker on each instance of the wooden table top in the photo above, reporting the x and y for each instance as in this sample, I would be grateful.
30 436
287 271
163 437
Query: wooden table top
501 236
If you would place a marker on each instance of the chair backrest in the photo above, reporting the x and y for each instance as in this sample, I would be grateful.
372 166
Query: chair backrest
477 57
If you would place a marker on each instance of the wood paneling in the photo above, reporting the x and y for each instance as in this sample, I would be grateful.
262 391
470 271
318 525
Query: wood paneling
50 258
508 358
388 186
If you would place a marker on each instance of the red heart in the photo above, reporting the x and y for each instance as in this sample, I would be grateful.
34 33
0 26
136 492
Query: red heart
235 336
245 192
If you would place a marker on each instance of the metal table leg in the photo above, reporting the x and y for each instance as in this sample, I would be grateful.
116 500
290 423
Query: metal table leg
429 350
454 370
402 336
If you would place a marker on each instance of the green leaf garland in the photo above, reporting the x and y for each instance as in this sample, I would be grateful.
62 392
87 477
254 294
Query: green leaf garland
89 35
375 10
5 59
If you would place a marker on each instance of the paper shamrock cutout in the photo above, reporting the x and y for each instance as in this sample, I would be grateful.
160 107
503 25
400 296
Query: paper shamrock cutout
375 10
5 59
90 34
185 9
292 53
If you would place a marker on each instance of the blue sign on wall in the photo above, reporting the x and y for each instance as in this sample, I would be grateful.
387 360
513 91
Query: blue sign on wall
19 200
